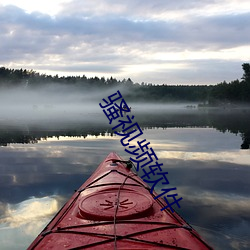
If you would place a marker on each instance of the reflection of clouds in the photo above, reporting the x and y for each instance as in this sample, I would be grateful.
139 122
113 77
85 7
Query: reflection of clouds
55 153
22 222
228 203
104 136
193 139
170 146
65 156
29 212
236 157
52 167
220 240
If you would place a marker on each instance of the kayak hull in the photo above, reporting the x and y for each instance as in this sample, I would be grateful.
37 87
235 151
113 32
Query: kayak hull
114 209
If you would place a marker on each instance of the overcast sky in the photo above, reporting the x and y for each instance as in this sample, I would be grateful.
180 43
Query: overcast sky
154 41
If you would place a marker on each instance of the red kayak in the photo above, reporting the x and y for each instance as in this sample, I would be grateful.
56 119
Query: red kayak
114 209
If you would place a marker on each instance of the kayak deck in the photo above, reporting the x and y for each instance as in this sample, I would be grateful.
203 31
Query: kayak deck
114 209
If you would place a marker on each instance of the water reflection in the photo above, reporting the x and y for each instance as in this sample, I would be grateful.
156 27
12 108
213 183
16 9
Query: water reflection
234 121
33 209
20 222
207 166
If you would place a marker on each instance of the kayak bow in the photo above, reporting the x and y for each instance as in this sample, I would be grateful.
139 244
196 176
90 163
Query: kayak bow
114 209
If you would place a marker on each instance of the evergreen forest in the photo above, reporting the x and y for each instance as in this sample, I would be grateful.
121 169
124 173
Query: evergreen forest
224 93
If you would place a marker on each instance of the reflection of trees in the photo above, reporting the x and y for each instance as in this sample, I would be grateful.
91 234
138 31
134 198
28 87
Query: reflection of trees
246 141
20 135
233 121
222 120
16 137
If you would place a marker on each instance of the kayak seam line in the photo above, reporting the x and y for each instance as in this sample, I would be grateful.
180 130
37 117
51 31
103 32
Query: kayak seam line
121 237
99 178
120 222
108 184
114 170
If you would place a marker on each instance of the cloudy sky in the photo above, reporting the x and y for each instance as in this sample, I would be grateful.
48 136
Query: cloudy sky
157 41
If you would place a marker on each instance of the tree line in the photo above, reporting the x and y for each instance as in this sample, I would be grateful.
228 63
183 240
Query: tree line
236 91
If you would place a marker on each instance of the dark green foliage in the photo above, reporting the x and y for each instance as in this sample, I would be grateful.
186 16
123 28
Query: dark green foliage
246 69
220 94
233 92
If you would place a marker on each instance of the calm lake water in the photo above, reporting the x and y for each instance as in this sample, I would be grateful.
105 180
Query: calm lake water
44 158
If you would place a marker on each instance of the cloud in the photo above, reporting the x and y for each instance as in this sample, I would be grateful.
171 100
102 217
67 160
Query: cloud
142 9
116 30
125 39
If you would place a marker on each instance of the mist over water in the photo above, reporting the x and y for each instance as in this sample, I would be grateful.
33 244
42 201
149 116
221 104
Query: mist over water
200 148
59 107
57 103
52 103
